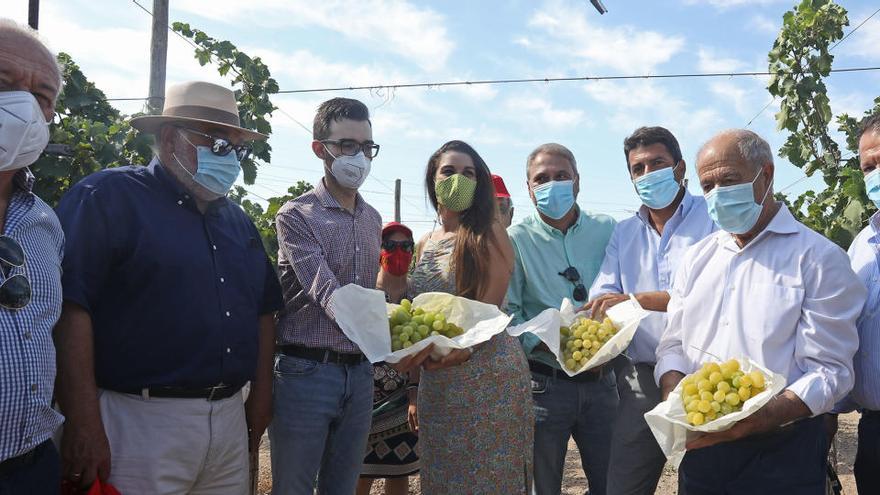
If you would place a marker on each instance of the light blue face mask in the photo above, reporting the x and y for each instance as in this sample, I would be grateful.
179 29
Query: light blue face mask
659 188
215 173
555 198
872 185
733 208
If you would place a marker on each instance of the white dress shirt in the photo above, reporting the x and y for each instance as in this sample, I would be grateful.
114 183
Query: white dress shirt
788 300
638 259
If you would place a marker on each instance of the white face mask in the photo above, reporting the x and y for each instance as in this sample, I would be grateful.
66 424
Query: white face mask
24 132
350 171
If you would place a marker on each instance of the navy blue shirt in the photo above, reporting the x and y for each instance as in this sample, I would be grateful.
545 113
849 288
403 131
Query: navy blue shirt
175 296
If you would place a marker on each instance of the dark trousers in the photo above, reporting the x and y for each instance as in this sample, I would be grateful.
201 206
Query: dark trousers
788 461
867 466
38 475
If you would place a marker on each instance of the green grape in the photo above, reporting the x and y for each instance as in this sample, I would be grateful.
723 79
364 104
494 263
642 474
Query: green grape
439 325
418 311
578 344
704 406
571 364
577 355
428 319
733 399
435 332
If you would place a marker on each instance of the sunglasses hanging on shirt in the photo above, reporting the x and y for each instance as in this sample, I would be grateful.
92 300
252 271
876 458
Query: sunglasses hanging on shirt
15 291
571 274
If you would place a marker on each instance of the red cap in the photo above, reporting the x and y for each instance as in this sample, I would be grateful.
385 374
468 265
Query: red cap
500 188
391 227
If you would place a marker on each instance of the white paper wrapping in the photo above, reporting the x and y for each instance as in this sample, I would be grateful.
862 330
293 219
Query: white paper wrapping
625 316
668 420
362 314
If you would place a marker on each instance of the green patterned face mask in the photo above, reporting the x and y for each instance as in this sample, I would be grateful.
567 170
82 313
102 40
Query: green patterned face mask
456 192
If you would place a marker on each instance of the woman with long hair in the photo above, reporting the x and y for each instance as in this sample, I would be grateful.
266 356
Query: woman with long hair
475 407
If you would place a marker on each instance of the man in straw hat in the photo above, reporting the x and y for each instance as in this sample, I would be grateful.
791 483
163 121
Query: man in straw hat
168 310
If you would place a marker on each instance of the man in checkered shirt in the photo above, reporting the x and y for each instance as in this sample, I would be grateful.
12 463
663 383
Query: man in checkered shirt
31 247
327 238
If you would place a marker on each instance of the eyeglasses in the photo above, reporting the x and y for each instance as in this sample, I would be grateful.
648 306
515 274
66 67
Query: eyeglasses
223 147
15 291
350 147
571 274
392 245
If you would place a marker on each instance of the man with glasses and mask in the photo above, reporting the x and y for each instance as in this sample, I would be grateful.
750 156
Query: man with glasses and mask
327 238
31 244
558 251
766 287
169 302
641 258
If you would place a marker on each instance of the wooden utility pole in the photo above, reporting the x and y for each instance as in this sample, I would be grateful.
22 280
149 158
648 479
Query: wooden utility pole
397 200
158 56
34 14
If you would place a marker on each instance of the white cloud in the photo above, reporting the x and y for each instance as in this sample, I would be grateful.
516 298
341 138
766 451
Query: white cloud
565 31
737 96
865 42
531 110
711 61
763 24
414 32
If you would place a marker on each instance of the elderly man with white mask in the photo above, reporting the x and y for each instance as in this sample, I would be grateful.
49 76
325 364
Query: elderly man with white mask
766 287
31 248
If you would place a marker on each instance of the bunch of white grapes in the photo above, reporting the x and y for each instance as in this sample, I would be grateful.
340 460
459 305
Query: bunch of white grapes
717 389
409 325
583 339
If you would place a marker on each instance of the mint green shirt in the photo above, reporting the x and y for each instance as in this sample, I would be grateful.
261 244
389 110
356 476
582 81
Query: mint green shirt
541 253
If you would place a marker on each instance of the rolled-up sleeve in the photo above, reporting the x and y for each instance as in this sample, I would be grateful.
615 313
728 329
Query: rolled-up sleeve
303 251
827 338
608 278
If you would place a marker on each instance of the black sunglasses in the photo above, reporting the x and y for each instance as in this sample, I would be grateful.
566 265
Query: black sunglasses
571 274
390 245
15 291
223 147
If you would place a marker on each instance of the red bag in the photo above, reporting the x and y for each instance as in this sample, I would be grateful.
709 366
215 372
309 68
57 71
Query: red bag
98 488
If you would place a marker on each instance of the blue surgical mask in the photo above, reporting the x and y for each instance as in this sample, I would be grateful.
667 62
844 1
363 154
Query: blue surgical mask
872 185
555 198
215 173
733 208
659 188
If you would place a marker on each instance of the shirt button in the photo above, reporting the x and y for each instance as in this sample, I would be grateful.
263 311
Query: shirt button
27 335
228 314
357 248
214 247
222 280
228 350
357 277
34 387
179 201
29 440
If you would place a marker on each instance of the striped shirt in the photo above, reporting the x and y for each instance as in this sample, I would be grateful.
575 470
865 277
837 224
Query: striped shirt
864 254
321 247
27 354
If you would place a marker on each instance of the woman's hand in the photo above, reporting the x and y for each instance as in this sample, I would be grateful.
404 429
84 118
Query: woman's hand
454 358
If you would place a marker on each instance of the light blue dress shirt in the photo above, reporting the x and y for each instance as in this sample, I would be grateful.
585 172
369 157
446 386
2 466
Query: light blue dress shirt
864 254
541 253
638 259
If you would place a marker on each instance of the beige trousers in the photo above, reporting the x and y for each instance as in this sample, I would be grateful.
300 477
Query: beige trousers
176 446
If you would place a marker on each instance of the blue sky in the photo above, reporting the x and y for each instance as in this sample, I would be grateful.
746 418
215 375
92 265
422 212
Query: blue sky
368 42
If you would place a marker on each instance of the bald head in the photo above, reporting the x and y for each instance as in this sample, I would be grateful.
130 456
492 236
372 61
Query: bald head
734 157
26 64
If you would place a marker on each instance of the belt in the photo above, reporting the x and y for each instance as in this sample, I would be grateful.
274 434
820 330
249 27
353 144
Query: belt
22 461
322 355
217 392
586 377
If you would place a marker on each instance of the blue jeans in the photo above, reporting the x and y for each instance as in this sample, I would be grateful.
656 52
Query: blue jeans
40 476
791 460
322 415
566 409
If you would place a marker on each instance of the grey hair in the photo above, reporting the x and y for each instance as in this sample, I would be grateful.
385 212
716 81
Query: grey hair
753 149
15 28
552 149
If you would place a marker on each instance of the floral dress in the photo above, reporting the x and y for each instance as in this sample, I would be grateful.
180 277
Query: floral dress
476 420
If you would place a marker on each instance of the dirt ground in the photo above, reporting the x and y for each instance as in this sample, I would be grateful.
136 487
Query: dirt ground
575 483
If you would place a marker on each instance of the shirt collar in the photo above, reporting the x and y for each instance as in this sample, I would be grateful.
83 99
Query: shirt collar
553 230
684 208
24 179
783 223
874 222
328 201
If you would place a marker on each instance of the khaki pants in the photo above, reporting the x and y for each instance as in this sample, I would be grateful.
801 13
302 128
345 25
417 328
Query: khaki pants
164 446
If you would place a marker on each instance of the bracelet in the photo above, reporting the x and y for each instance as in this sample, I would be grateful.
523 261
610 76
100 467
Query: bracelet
412 386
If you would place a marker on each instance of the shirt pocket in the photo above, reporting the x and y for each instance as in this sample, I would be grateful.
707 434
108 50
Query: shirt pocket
771 312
